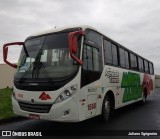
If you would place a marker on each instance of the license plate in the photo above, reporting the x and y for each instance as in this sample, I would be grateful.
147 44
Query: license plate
34 116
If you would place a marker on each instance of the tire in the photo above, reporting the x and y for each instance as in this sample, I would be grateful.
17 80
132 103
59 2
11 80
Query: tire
106 109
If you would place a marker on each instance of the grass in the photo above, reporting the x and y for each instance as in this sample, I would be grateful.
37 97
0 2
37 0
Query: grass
6 104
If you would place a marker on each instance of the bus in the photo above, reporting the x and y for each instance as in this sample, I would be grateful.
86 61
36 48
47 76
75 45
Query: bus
72 74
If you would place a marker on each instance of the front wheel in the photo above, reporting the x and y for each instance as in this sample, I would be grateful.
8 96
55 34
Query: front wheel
106 109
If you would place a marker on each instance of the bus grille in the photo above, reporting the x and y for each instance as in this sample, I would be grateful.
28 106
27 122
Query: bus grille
38 108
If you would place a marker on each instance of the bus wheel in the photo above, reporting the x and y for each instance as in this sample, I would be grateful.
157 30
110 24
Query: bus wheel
106 108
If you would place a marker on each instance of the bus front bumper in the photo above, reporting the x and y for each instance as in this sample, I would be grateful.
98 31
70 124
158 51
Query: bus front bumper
66 111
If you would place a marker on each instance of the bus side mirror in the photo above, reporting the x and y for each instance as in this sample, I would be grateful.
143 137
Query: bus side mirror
5 53
73 44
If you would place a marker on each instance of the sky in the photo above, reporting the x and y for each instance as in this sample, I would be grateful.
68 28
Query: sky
134 24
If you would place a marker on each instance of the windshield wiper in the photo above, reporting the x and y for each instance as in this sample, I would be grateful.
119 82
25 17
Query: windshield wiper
40 67
45 73
36 66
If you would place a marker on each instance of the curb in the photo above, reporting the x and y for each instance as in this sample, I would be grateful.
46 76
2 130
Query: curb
12 119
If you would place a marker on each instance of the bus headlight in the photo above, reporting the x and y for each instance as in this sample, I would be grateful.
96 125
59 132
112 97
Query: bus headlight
67 93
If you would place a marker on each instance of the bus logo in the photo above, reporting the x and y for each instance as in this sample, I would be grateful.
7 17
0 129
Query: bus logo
44 96
112 75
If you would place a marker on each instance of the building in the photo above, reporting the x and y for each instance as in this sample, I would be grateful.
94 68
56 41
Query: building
6 76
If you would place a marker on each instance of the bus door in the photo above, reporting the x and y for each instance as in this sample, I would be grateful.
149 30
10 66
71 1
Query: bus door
90 75
91 71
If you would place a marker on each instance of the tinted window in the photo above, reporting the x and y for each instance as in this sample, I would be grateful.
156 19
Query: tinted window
133 61
126 59
96 59
140 64
93 38
88 63
124 62
110 53
114 55
90 58
151 68
122 57
85 58
107 52
146 66
91 70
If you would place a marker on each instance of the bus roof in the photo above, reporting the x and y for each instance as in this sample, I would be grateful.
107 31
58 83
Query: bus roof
61 29
54 30
58 29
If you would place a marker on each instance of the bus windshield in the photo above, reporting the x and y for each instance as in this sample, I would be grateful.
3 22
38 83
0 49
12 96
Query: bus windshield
48 57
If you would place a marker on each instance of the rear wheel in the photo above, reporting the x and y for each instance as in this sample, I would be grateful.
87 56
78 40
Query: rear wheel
106 108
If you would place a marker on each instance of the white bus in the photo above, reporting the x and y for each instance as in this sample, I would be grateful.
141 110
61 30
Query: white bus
72 74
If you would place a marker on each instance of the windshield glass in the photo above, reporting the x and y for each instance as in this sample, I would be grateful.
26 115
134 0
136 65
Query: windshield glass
48 57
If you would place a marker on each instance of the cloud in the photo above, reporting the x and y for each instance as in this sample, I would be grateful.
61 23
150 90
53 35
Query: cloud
134 24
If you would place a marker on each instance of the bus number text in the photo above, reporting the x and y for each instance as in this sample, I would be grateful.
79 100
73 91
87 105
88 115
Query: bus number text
92 106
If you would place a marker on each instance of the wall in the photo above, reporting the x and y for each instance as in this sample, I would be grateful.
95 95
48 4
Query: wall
6 76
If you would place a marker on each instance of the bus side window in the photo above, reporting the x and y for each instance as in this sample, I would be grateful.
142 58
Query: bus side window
151 68
140 64
96 59
85 58
90 58
107 52
133 61
122 57
110 53
146 66
94 41
124 60
114 55
91 70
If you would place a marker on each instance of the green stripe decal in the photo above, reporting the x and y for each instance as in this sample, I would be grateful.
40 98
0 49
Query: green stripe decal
132 86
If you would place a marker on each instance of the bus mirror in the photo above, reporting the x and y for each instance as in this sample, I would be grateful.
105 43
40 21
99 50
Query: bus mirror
73 44
5 52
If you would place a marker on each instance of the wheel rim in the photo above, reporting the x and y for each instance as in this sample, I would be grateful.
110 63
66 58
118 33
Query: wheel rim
107 107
